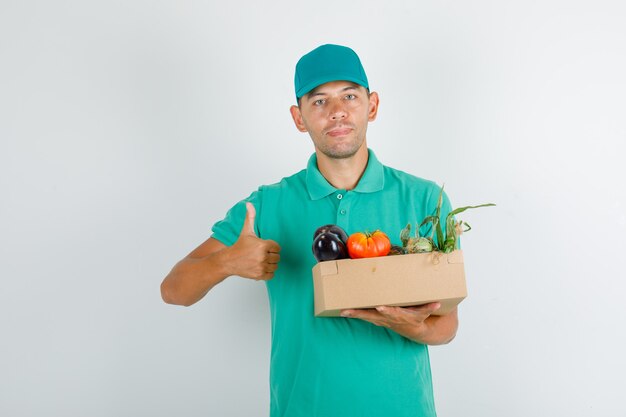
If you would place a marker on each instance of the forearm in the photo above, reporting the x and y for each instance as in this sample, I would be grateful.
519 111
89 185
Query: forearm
192 278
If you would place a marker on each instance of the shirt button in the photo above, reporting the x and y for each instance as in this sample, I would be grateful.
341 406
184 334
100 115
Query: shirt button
339 196
343 211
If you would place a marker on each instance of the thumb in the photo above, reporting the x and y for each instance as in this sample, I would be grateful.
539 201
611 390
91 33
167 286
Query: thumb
248 223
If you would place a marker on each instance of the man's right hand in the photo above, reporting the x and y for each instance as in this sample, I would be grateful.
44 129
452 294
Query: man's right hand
212 262
253 257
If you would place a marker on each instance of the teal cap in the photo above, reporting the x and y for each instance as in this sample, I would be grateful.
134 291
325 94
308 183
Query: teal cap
325 64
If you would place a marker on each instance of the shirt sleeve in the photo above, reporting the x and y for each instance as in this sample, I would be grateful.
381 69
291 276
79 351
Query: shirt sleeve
228 229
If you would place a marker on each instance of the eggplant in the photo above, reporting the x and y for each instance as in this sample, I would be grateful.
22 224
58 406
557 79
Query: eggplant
328 246
334 229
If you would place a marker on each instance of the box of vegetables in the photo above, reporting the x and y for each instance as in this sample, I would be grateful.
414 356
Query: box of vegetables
364 270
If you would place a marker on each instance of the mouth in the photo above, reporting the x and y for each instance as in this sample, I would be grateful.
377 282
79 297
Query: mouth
339 131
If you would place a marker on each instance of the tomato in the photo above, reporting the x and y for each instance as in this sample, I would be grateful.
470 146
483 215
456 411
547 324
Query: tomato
368 245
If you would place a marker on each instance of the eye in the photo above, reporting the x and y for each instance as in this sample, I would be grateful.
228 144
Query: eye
350 97
319 102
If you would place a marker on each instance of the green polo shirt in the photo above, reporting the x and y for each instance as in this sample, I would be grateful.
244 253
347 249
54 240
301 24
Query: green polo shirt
336 367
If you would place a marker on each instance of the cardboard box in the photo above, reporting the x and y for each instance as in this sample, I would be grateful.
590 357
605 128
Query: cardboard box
398 280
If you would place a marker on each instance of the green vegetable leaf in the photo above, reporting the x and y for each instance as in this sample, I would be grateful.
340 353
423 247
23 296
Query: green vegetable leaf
433 220
447 242
440 238
462 209
405 234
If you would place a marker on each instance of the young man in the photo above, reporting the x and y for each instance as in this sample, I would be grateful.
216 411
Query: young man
368 362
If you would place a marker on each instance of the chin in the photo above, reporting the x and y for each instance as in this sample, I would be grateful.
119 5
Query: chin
341 152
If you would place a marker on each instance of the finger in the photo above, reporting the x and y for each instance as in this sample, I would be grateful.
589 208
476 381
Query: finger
426 308
267 276
272 258
369 315
434 307
363 314
248 223
424 311
272 246
391 312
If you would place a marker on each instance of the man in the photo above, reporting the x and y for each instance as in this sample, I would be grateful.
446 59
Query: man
368 362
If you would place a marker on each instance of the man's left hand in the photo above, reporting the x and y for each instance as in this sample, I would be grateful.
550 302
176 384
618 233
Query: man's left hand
416 322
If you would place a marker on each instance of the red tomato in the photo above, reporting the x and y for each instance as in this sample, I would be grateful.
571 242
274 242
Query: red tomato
368 245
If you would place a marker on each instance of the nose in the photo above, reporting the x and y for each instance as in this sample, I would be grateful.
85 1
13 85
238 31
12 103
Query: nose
337 111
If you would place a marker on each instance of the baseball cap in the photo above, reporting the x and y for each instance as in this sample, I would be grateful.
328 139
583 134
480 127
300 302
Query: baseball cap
328 63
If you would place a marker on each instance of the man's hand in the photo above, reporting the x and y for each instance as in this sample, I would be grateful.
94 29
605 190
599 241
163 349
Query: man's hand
416 323
253 257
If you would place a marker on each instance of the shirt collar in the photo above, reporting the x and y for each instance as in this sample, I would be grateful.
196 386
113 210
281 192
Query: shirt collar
371 181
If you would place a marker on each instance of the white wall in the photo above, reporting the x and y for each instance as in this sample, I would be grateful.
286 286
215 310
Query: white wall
128 128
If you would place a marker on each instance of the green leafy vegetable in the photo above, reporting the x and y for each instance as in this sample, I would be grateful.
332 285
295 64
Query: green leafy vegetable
445 243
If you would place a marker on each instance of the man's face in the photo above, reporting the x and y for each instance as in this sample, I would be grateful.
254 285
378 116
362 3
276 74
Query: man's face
336 115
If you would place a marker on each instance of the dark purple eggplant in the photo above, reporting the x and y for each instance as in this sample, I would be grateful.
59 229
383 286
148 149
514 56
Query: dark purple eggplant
329 247
334 229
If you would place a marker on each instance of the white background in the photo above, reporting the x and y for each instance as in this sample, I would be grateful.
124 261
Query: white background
127 128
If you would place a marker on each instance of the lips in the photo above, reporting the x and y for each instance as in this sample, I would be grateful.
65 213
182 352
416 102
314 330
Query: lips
339 131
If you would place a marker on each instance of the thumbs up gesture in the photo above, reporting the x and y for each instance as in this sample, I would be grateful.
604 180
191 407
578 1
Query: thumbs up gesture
253 257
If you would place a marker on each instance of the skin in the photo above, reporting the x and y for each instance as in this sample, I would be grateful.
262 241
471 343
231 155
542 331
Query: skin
416 323
336 116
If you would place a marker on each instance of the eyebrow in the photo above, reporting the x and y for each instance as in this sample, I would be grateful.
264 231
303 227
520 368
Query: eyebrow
315 91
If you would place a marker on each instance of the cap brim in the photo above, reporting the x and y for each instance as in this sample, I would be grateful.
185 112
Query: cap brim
326 79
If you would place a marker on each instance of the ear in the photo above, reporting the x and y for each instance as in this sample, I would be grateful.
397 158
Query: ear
296 115
373 106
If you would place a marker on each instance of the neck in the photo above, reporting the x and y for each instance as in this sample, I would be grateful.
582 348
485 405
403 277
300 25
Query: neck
345 173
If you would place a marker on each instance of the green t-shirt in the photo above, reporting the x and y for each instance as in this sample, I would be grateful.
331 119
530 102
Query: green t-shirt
336 367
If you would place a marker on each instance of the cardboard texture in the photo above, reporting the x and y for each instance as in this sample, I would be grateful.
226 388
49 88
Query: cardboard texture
398 280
